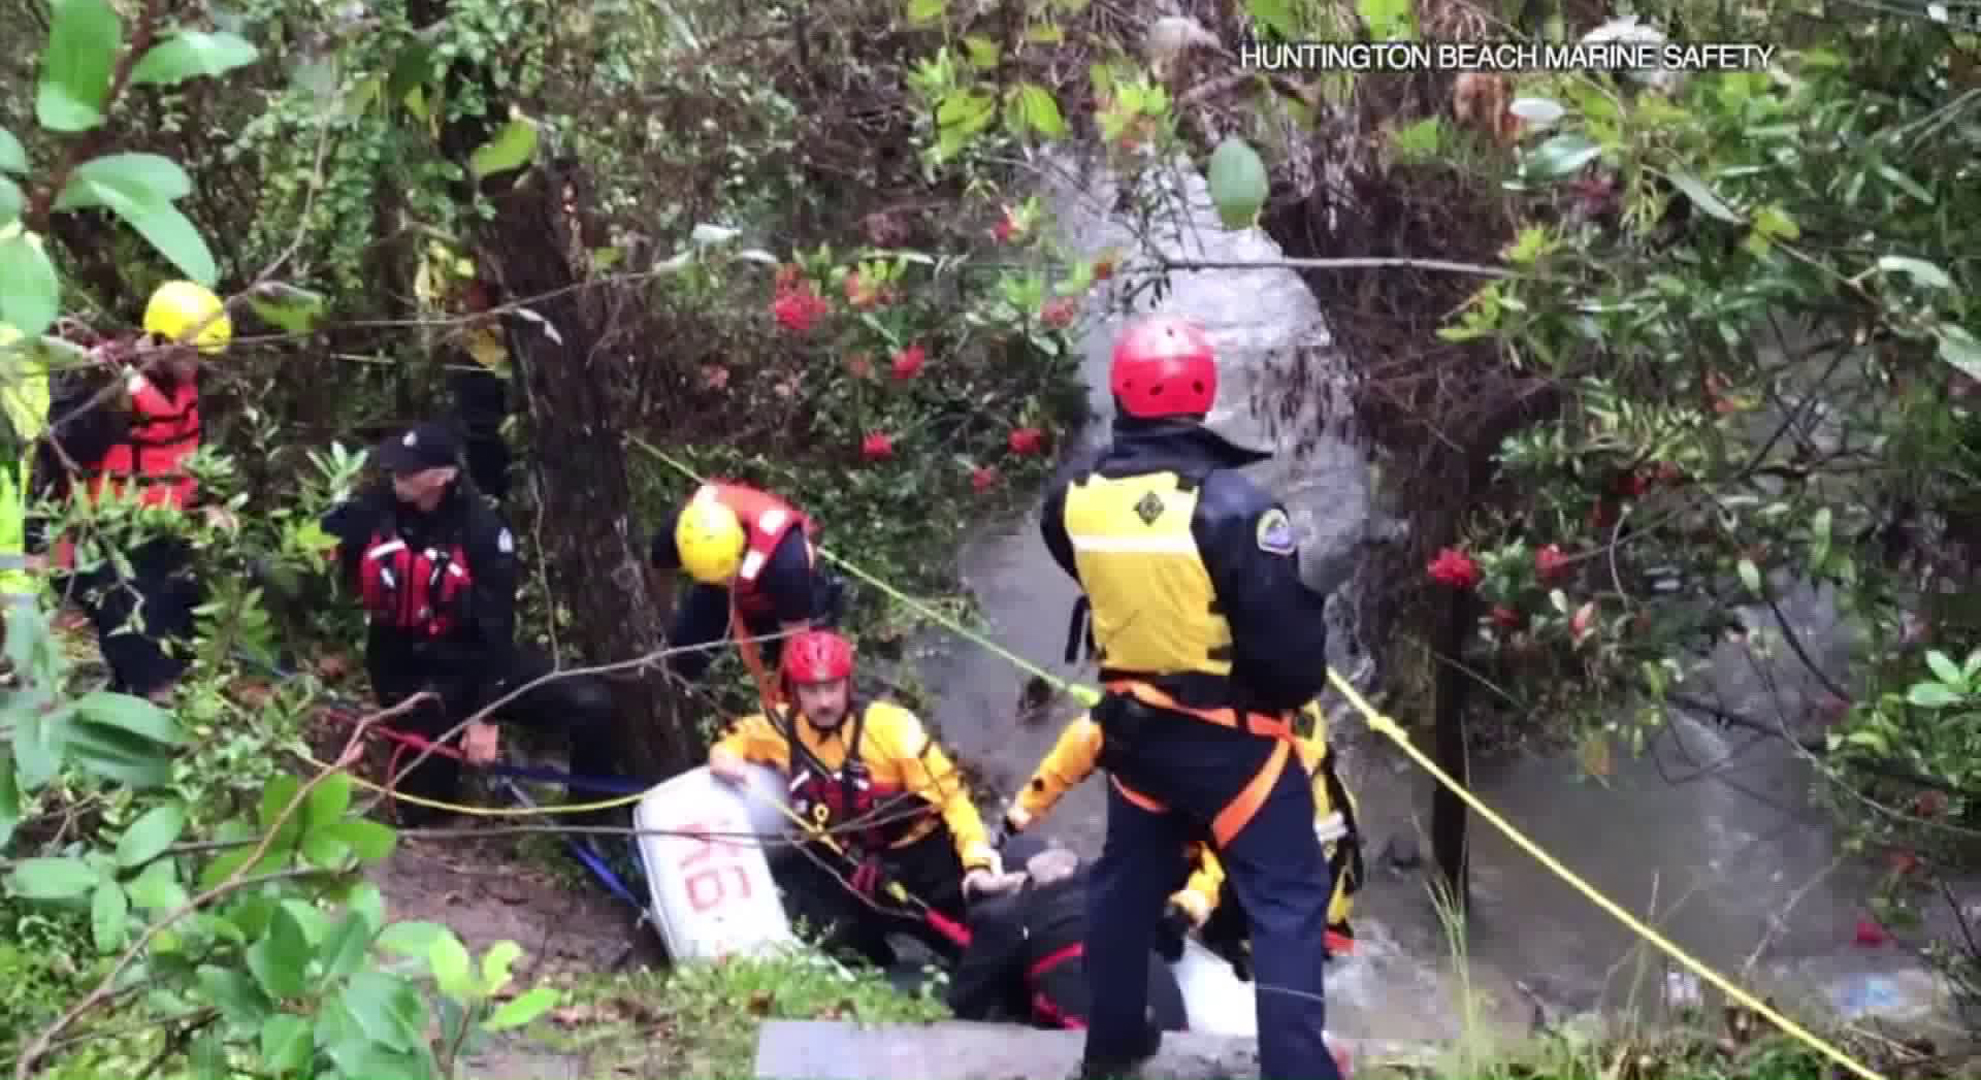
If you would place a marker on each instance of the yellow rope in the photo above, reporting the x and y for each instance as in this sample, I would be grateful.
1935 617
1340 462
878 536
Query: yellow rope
1384 725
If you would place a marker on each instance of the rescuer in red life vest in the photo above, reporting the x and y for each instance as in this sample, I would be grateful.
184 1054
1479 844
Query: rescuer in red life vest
749 551
1025 959
436 569
134 442
871 775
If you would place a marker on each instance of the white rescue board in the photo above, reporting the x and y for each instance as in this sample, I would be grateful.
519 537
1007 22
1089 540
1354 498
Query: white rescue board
714 896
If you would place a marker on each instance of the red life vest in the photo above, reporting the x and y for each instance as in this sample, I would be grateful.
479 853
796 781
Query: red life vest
766 520
422 591
164 432
830 798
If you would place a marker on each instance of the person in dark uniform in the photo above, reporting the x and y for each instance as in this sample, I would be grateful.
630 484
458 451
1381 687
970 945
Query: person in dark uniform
1208 641
1026 957
436 569
751 557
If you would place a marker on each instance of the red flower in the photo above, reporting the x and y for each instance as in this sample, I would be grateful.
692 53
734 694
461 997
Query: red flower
1505 617
859 365
983 478
1059 314
1669 473
877 446
1026 440
908 362
1007 227
799 308
1580 622
1870 934
1902 862
1103 268
1550 561
1454 568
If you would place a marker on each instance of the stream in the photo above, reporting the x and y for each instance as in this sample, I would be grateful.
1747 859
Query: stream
1710 835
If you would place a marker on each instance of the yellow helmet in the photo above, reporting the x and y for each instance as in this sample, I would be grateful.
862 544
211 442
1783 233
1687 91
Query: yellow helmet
710 539
178 306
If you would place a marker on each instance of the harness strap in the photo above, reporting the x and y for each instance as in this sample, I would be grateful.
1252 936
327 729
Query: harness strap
1149 691
1053 959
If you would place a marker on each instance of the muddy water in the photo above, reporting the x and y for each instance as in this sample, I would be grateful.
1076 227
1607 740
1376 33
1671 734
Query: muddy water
1711 832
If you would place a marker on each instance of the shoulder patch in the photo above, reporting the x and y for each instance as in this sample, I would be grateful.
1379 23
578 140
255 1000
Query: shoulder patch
506 543
1276 533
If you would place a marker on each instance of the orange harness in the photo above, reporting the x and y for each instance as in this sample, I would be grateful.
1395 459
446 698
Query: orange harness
1239 812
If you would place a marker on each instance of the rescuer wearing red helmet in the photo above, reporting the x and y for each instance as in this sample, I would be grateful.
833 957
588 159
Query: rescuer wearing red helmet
885 792
1208 641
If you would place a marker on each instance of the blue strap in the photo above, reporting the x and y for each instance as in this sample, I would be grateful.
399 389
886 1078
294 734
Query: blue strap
587 855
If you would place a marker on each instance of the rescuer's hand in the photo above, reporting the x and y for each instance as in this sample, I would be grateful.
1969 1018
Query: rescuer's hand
985 882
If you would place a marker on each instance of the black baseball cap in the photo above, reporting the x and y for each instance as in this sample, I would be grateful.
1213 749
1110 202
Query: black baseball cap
425 446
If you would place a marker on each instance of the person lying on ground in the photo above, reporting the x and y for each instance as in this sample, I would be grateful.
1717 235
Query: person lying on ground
869 776
1024 958
1204 900
435 567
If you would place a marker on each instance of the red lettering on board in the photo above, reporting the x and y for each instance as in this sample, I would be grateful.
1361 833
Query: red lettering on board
706 888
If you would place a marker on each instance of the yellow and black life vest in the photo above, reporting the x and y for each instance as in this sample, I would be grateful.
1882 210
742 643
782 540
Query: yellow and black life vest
1154 610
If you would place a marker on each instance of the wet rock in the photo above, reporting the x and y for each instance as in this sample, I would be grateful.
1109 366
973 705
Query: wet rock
955 1050
1400 852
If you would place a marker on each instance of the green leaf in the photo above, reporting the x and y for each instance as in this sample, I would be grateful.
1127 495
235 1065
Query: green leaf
385 1008
52 879
118 755
157 888
1419 140
451 970
327 802
1387 20
238 999
1944 669
495 965
1771 221
13 156
30 293
109 911
1931 695
1870 740
521 1009
220 869
344 948
1041 112
511 148
83 41
1561 155
411 938
294 310
38 741
144 178
324 850
1238 183
1275 16
1919 270
281 957
310 919
10 796
1702 196
1957 347
370 840
1750 576
11 200
923 12
190 54
172 235
150 835
286 1043
136 715
1819 539
366 900
275 798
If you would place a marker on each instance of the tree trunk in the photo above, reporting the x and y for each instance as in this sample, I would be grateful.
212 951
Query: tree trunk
590 543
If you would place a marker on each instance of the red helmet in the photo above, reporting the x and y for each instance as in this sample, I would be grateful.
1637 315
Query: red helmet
1164 366
817 656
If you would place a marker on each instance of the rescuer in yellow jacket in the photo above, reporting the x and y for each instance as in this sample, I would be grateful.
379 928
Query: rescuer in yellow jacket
1204 903
1208 640
872 778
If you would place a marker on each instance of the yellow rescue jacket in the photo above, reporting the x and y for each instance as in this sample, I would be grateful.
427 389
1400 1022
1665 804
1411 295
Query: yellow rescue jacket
879 765
1076 755
1154 607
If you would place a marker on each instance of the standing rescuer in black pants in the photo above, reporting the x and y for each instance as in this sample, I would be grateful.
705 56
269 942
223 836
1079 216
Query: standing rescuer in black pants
436 569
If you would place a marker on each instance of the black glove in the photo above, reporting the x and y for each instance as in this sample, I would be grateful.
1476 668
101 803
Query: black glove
1171 931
